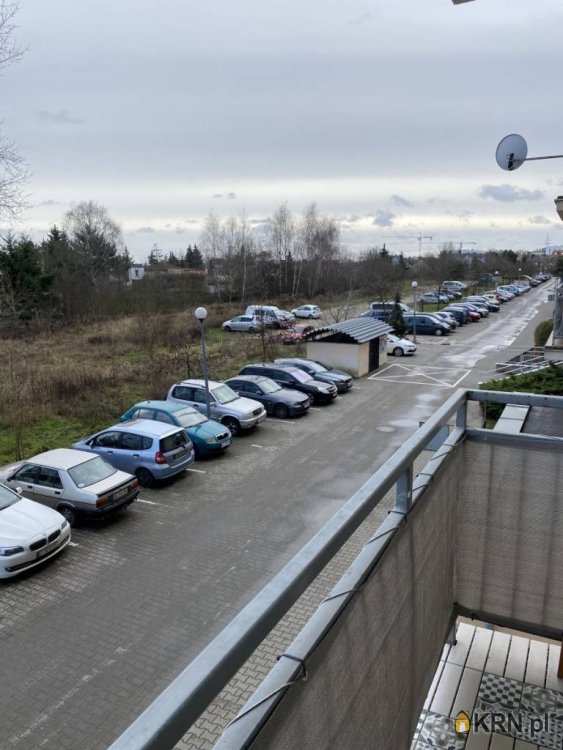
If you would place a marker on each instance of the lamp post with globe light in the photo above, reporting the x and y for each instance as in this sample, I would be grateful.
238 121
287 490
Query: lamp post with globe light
414 286
201 315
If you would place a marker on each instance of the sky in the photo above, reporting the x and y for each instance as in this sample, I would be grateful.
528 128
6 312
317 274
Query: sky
386 113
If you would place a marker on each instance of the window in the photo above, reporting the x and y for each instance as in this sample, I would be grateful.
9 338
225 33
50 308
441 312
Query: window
199 396
108 440
223 394
163 416
183 392
285 377
250 387
144 414
7 497
171 442
28 473
190 417
269 386
131 442
49 478
91 471
301 376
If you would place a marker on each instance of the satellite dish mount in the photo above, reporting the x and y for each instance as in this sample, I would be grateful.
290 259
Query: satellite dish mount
512 152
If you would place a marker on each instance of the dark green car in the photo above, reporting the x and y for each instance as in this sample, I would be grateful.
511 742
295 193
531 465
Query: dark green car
208 437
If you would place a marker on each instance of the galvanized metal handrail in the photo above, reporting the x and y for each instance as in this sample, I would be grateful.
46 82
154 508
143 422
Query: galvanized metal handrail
172 713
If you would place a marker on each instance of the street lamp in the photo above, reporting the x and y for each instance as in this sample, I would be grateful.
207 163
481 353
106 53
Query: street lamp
414 285
201 315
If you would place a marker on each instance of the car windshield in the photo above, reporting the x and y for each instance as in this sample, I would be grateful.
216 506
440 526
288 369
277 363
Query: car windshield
303 377
91 471
224 394
269 386
7 497
317 367
189 417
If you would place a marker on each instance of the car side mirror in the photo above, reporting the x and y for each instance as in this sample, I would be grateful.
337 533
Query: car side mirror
19 490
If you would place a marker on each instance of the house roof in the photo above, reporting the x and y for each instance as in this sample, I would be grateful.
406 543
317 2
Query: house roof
353 331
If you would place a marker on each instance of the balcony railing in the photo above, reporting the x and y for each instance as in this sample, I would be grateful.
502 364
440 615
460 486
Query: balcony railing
479 532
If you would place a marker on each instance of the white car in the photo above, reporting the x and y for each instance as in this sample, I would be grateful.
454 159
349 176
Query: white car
399 347
30 533
307 311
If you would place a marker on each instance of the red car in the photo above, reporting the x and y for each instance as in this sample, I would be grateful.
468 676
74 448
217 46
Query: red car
296 334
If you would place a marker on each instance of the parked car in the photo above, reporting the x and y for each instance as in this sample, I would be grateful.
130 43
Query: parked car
448 317
457 286
279 402
342 380
388 306
378 314
248 323
461 315
514 290
399 347
505 293
295 334
207 436
271 315
30 533
426 324
494 297
472 315
226 406
292 377
150 450
481 308
435 298
482 300
73 482
307 311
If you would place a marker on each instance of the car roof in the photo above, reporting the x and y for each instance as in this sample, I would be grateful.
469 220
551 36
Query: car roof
170 406
61 458
199 382
148 427
274 366
249 378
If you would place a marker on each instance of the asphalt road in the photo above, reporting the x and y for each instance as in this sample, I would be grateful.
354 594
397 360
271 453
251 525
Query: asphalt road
87 641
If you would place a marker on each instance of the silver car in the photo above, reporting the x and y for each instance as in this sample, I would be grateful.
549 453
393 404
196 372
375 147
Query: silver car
226 406
73 482
247 323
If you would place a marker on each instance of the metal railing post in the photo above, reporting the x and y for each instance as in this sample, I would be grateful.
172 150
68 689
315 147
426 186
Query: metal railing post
461 416
403 491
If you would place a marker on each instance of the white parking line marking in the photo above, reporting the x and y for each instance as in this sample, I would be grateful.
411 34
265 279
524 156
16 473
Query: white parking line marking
197 471
315 408
73 544
254 445
147 502
457 382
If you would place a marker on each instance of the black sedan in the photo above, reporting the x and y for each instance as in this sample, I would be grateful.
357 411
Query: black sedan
279 402
316 370
295 379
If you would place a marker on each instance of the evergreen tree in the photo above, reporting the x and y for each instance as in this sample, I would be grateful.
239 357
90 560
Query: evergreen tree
25 289
396 320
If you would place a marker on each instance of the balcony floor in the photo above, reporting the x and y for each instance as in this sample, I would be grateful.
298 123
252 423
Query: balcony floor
494 671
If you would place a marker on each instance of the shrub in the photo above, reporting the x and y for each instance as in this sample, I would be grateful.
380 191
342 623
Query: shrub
543 332
548 382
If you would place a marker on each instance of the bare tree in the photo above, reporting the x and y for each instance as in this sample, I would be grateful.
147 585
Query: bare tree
13 170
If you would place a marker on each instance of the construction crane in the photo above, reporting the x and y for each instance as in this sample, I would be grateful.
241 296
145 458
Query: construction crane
418 237
463 242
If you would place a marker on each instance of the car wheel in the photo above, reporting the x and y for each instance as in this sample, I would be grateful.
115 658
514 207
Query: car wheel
252 330
233 425
228 328
398 352
438 332
144 476
281 411
68 513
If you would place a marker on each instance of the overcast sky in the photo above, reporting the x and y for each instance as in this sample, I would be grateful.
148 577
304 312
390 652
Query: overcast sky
386 113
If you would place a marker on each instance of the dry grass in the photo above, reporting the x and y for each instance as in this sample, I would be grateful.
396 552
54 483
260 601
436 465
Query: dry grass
81 378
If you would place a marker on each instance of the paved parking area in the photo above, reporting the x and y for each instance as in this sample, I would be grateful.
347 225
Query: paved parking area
88 640
425 375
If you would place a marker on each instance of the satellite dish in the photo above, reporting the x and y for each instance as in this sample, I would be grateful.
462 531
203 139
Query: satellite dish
511 152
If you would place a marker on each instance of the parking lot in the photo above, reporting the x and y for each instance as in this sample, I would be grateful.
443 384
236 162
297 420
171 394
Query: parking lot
106 625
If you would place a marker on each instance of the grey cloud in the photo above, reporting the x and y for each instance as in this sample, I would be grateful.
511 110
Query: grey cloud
539 220
231 196
146 230
50 202
217 195
398 200
509 193
60 117
191 221
383 218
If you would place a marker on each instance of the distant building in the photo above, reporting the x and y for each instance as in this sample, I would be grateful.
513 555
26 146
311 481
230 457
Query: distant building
549 249
136 272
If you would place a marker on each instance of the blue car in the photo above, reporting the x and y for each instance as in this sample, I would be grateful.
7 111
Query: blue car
208 436
150 450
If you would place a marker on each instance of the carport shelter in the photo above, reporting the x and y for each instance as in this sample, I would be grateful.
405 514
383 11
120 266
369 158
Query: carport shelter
356 345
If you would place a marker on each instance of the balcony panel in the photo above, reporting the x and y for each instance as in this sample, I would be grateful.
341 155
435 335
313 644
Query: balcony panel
509 541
